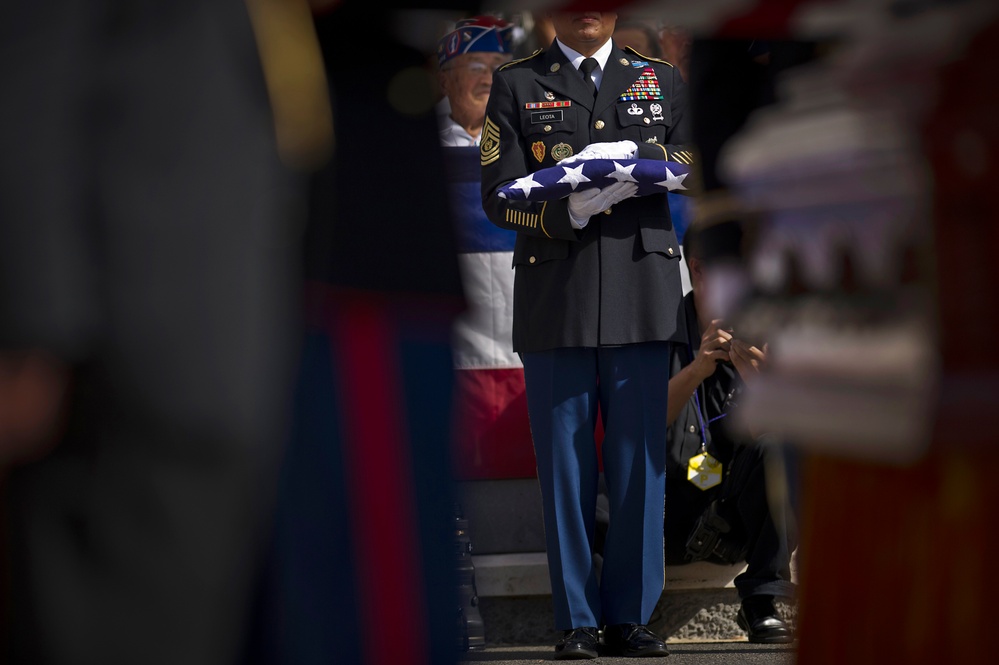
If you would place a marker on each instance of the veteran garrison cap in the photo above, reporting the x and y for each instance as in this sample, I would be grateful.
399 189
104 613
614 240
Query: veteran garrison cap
484 33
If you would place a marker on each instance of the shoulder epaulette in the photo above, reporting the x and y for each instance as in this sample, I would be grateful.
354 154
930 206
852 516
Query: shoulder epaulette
514 62
647 57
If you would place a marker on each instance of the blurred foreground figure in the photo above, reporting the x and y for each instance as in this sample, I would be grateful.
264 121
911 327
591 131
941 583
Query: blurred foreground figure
871 275
146 306
720 500
362 561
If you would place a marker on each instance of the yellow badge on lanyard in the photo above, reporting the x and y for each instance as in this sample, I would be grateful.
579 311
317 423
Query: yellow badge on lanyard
704 470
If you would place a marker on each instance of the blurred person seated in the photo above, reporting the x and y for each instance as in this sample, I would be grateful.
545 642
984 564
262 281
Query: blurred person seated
467 57
718 503
639 35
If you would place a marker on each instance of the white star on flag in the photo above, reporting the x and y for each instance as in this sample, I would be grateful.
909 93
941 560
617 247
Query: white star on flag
574 176
672 182
622 173
526 184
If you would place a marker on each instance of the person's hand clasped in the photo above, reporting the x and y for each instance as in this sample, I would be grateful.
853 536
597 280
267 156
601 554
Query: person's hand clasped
588 202
747 359
715 346
608 150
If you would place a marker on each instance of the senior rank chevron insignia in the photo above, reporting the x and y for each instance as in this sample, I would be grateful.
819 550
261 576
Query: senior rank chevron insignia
489 145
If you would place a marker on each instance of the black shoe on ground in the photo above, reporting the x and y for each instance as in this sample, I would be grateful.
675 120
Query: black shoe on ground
633 641
759 618
577 644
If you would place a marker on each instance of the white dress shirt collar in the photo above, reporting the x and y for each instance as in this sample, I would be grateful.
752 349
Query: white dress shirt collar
576 58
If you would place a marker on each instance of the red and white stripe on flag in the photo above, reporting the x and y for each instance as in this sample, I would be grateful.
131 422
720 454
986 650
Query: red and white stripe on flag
492 435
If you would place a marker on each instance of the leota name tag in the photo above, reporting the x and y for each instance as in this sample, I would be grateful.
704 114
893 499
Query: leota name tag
538 117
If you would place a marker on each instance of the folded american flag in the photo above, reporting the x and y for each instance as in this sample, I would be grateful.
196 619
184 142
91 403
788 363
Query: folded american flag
652 176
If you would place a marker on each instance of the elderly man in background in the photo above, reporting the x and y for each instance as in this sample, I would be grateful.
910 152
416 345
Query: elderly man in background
468 56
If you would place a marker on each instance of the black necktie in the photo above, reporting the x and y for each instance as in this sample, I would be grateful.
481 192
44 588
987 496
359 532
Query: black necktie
587 67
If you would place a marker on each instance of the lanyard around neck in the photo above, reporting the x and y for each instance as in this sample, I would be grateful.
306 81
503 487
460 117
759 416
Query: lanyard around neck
702 415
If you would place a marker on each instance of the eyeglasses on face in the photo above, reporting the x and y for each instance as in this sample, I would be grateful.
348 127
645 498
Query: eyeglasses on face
475 68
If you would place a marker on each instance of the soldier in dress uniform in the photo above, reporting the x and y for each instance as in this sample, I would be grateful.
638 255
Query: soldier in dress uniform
597 303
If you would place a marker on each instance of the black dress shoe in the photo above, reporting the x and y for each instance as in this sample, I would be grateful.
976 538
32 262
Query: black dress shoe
577 644
634 641
759 618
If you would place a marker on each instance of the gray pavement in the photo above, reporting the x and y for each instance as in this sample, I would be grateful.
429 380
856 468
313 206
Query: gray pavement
681 653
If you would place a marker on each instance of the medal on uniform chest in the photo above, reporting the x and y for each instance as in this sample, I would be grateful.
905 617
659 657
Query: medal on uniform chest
560 151
646 87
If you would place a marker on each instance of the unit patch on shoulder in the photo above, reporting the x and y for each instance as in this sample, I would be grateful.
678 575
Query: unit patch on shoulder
489 146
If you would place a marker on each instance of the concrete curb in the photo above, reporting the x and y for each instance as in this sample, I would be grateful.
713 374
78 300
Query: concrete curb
699 603
705 615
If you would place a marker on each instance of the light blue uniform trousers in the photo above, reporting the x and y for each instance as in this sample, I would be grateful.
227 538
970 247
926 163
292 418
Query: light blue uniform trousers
564 389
